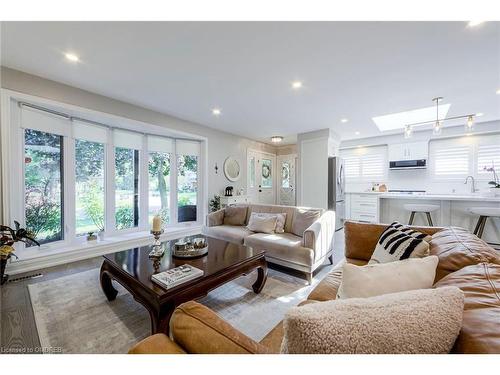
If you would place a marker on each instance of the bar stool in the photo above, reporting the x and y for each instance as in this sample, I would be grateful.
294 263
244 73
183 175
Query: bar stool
484 213
427 208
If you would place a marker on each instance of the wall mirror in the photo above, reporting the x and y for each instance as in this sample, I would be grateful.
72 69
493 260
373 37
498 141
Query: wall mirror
232 169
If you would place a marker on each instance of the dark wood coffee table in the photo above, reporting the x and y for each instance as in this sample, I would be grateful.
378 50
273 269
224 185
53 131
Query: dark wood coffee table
133 269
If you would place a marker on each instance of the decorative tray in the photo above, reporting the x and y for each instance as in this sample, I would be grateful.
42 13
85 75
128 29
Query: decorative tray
190 253
187 249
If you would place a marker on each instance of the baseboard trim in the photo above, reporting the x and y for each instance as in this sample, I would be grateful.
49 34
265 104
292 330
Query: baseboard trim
35 264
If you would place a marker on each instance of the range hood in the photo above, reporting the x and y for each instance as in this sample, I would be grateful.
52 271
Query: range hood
408 164
412 155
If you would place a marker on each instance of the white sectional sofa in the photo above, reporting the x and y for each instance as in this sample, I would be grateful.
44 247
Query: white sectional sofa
304 245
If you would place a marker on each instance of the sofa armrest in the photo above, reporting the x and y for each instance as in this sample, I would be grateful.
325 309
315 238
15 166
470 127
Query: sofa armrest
201 331
319 236
156 344
215 218
361 238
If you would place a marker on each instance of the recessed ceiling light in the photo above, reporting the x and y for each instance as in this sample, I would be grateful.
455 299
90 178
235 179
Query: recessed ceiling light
296 84
475 23
498 92
398 120
216 112
357 133
343 120
71 57
276 139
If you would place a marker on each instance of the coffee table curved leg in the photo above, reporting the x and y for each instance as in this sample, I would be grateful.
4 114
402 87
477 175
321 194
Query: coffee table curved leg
106 284
261 277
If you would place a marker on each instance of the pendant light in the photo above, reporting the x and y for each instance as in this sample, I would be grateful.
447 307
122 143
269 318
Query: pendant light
408 131
437 126
436 130
469 125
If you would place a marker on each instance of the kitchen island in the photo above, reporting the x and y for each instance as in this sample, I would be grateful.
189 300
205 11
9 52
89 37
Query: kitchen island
387 207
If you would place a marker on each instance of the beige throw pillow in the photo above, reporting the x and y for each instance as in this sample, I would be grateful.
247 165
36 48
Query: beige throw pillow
262 223
235 215
303 219
424 321
376 279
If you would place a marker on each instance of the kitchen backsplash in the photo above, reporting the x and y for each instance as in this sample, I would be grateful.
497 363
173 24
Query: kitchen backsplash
418 179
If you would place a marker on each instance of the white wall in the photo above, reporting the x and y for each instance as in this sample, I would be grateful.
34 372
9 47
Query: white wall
220 144
423 179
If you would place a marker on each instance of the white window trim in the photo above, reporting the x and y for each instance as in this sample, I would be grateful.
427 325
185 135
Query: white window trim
12 177
359 153
473 145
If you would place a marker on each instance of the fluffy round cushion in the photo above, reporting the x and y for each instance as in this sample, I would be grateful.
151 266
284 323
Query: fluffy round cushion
425 321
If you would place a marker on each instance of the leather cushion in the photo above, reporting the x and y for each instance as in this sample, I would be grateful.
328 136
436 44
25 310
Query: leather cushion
361 238
156 344
481 319
457 248
199 330
283 246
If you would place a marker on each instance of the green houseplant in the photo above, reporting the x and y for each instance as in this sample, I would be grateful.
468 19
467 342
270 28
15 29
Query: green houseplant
8 237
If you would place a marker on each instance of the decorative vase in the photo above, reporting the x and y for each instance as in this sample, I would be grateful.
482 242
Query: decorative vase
3 264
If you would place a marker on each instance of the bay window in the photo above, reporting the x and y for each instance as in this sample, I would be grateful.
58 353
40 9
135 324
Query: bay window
43 170
81 176
90 143
187 180
159 151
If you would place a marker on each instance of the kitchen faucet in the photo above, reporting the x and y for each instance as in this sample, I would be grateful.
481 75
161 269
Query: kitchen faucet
473 185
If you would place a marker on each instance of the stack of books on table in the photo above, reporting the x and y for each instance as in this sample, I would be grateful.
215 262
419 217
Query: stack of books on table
176 276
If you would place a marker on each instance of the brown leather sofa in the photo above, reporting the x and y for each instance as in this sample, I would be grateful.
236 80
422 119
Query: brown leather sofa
464 261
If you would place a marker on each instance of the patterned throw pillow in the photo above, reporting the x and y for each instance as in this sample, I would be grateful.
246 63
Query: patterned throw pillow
394 245
411 232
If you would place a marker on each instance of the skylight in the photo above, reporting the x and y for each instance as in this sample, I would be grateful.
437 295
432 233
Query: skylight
399 120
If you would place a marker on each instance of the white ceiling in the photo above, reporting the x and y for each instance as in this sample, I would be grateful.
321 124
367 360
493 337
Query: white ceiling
356 70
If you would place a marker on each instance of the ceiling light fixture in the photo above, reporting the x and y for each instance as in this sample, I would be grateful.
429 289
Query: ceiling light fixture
71 57
216 112
475 23
343 120
498 92
296 85
438 123
469 125
357 133
276 139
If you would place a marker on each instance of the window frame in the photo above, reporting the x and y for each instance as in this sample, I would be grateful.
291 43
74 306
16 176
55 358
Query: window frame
359 153
473 143
12 177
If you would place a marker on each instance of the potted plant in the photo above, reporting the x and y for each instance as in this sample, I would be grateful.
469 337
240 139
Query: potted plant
8 237
214 203
495 184
91 236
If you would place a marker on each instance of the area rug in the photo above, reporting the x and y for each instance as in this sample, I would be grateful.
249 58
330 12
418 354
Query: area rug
72 314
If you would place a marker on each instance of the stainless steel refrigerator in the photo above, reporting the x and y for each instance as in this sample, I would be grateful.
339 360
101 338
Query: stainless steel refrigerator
336 190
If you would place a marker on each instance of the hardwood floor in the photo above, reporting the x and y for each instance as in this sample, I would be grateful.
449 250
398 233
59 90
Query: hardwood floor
18 333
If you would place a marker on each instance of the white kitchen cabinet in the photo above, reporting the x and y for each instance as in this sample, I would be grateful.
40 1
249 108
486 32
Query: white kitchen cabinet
364 207
408 151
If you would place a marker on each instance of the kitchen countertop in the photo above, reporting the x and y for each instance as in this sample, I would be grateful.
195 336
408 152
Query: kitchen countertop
477 197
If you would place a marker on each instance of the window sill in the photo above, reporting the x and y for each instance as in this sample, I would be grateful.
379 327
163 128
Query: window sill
36 258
